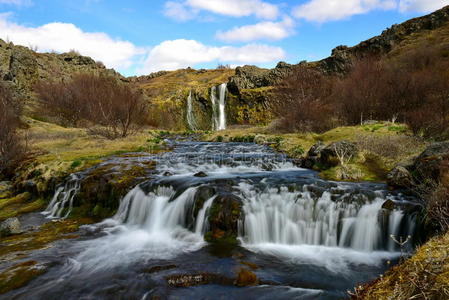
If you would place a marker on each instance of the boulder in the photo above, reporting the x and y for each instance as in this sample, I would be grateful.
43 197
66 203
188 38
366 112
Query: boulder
9 227
433 163
400 177
324 157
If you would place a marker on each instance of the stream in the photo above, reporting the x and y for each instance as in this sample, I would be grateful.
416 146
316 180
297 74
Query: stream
303 237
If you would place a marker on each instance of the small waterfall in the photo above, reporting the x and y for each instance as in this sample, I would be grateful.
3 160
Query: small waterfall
190 116
157 213
63 198
278 216
218 107
213 99
201 221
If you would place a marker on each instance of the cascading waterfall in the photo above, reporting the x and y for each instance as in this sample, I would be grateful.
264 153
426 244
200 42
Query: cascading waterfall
218 107
158 213
278 216
190 116
63 198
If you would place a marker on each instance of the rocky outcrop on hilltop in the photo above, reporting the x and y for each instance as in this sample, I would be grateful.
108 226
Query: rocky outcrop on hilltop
340 60
22 67
252 77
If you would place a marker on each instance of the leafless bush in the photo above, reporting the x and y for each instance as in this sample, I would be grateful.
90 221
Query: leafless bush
389 146
301 101
116 108
12 148
435 197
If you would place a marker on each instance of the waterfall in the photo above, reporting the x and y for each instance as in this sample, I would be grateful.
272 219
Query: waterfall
218 107
63 198
222 107
158 213
278 216
190 116
213 99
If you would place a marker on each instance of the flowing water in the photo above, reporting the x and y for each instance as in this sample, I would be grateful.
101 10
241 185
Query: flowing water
310 238
218 107
191 122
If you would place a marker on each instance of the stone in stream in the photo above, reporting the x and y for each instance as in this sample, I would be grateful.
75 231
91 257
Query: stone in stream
200 174
9 227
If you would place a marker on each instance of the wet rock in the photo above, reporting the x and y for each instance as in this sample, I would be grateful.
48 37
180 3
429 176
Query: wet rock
224 217
9 227
187 280
388 205
246 278
167 174
200 174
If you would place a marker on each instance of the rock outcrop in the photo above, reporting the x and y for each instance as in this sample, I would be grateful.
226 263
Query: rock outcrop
341 59
252 77
430 166
23 67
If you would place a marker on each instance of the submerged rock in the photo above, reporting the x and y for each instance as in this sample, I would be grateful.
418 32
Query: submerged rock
10 227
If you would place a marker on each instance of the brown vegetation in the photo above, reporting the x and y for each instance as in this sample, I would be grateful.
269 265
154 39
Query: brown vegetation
302 101
12 148
116 108
413 89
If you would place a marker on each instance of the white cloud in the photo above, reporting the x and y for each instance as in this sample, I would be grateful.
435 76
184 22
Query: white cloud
16 2
332 10
176 54
63 37
264 30
188 9
178 11
422 5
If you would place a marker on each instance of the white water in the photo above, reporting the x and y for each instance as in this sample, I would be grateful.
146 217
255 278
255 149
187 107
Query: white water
190 116
277 216
218 107
202 218
222 107
63 198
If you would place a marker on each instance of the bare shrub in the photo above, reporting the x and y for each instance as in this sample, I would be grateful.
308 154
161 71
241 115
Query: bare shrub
115 107
389 146
12 148
435 197
301 101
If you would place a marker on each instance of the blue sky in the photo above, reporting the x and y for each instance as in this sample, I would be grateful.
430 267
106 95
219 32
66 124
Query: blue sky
143 36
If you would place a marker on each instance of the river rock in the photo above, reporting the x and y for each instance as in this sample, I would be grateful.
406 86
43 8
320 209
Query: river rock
200 174
9 227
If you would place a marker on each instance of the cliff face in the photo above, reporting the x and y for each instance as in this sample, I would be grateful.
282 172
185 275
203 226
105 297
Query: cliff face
340 60
23 67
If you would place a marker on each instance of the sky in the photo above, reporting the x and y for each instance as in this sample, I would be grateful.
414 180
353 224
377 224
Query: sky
137 37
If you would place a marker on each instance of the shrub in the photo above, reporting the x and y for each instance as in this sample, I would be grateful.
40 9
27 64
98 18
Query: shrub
115 107
301 101
12 148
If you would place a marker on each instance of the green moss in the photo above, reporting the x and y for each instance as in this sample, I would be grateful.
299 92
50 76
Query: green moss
19 205
19 275
17 245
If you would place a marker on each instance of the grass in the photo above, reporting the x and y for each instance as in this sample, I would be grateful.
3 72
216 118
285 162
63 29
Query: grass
424 276
19 205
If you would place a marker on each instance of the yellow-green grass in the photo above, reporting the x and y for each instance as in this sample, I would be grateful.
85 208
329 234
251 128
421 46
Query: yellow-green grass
424 276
